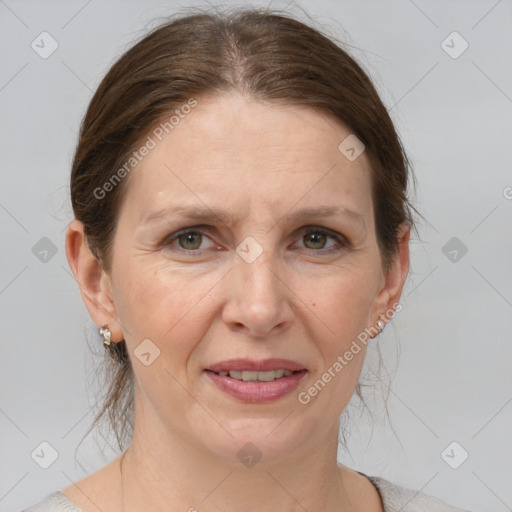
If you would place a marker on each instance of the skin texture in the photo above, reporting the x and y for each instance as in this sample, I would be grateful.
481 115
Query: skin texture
304 298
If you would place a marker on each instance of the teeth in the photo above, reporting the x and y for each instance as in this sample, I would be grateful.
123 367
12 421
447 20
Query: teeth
249 376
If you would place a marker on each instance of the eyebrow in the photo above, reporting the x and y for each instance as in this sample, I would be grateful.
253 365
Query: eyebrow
325 211
206 213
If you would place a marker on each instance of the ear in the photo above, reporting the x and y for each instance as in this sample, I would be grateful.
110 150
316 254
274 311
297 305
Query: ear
393 280
94 283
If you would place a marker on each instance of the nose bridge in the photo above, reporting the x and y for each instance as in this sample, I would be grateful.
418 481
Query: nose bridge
257 262
258 300
261 277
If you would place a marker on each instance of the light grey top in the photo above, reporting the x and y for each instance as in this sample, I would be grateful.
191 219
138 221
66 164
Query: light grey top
394 497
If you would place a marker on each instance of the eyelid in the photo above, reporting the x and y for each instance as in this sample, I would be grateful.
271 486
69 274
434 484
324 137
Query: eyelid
201 229
341 241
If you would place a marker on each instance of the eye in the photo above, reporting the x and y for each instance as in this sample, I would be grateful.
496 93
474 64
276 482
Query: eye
190 240
314 238
321 240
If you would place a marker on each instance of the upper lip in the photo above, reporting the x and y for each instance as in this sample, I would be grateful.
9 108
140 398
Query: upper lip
256 366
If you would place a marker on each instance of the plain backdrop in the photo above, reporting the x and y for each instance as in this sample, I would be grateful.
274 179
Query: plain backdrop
444 70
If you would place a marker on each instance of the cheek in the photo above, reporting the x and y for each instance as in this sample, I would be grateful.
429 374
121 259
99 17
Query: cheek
167 305
173 303
343 301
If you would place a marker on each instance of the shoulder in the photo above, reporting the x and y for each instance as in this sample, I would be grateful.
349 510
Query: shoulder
396 498
96 492
55 502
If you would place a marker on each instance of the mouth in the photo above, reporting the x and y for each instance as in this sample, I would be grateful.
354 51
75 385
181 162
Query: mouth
256 381
251 376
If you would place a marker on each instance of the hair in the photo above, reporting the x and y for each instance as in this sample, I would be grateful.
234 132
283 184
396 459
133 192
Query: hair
263 54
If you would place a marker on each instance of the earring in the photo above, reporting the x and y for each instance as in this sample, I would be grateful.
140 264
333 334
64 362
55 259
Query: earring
380 326
107 335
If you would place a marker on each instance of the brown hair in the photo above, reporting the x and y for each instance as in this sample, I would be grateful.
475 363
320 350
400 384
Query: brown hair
264 54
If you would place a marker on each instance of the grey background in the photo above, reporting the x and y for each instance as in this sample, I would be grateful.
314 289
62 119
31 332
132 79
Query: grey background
453 381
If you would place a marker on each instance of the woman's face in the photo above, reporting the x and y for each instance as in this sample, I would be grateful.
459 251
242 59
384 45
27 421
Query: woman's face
288 269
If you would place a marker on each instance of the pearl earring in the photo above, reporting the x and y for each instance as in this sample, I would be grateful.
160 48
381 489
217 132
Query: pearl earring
107 335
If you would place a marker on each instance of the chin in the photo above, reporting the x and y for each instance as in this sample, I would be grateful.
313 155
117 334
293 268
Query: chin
264 441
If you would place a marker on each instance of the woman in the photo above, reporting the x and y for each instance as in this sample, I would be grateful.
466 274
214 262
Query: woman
241 235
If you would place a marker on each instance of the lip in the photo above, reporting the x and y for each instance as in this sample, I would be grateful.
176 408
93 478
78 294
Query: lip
255 391
253 365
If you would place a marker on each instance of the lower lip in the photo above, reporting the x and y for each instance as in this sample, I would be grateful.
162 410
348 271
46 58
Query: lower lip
257 391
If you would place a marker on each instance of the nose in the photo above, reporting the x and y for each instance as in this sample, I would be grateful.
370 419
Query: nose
258 299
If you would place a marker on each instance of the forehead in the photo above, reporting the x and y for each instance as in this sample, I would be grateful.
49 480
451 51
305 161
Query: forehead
230 147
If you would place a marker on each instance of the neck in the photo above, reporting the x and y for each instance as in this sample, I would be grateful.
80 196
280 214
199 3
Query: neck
174 474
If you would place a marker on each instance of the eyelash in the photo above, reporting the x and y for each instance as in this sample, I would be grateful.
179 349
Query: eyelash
341 242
